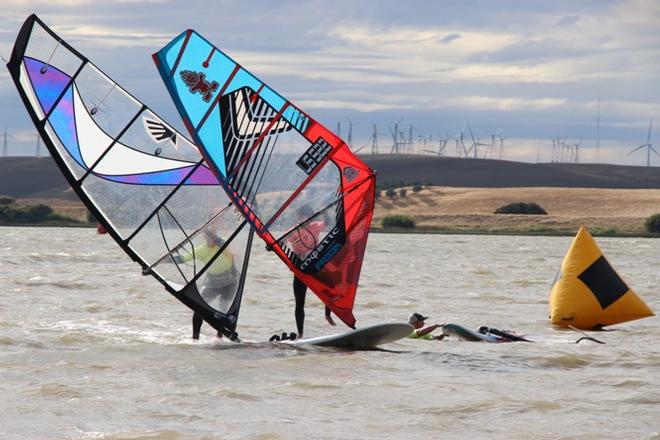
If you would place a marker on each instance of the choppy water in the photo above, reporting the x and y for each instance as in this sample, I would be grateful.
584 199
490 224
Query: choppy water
90 349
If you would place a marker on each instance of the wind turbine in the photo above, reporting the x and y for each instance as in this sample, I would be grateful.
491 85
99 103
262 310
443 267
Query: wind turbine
576 152
501 153
474 143
350 130
5 146
394 131
37 152
442 144
374 140
648 145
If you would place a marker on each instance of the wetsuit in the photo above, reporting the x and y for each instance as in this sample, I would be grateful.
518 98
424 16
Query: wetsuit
303 242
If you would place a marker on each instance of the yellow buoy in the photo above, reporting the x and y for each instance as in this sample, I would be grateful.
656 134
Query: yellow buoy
588 292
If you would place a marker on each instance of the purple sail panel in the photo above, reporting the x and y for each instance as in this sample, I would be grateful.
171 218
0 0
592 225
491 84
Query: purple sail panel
201 176
64 125
47 81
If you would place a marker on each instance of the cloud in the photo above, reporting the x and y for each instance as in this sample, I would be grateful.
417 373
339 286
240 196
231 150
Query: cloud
451 37
112 37
505 104
568 20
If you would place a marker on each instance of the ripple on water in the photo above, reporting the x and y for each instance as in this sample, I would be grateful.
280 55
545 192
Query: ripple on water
77 285
564 361
55 390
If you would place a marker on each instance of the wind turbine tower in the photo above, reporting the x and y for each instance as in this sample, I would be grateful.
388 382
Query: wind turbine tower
598 132
350 131
37 152
648 145
374 140
5 146
394 131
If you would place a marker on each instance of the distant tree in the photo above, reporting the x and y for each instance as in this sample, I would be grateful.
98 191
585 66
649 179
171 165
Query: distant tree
30 214
377 194
91 218
403 192
6 200
398 221
652 224
417 187
521 208
390 193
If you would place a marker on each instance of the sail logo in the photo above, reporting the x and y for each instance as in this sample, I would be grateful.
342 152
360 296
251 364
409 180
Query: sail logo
314 156
324 252
350 173
197 83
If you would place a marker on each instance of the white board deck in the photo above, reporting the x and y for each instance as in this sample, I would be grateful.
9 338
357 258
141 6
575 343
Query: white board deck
364 338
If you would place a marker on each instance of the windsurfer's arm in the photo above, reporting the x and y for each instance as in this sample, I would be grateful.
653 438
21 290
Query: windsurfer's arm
426 330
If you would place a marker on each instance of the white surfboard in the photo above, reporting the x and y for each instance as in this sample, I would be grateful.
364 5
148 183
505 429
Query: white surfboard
364 338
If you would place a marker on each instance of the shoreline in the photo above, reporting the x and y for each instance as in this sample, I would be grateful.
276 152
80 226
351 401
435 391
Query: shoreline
549 233
423 230
459 210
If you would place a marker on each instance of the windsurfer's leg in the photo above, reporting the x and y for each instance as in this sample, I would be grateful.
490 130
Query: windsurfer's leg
197 325
328 316
299 292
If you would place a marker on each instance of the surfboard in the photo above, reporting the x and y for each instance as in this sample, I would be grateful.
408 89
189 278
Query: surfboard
364 338
470 335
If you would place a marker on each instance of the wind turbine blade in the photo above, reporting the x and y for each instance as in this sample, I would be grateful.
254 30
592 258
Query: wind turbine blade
635 149
648 138
471 135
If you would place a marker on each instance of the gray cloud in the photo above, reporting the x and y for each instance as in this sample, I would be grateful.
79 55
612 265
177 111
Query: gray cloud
531 68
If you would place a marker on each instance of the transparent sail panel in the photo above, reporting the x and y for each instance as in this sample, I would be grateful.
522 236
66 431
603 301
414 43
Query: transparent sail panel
42 46
109 105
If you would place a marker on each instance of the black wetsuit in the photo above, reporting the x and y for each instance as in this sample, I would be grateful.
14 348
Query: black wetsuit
299 292
197 326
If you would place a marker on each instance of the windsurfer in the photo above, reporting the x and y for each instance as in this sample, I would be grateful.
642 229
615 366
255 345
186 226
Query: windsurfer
222 275
421 331
303 241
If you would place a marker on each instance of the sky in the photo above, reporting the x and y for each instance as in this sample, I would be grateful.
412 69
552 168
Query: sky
522 70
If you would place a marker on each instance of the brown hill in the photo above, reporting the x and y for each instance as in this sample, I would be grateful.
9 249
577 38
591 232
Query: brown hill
603 211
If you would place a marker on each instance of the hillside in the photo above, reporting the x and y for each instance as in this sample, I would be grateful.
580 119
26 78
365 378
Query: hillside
606 198
484 173
603 211
29 177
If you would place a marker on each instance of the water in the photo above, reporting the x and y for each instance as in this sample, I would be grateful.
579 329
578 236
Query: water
90 349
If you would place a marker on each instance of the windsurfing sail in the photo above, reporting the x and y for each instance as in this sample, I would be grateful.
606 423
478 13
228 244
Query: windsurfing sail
146 184
296 182
588 292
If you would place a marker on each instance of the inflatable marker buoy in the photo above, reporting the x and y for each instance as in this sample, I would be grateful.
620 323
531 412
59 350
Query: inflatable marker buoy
588 292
